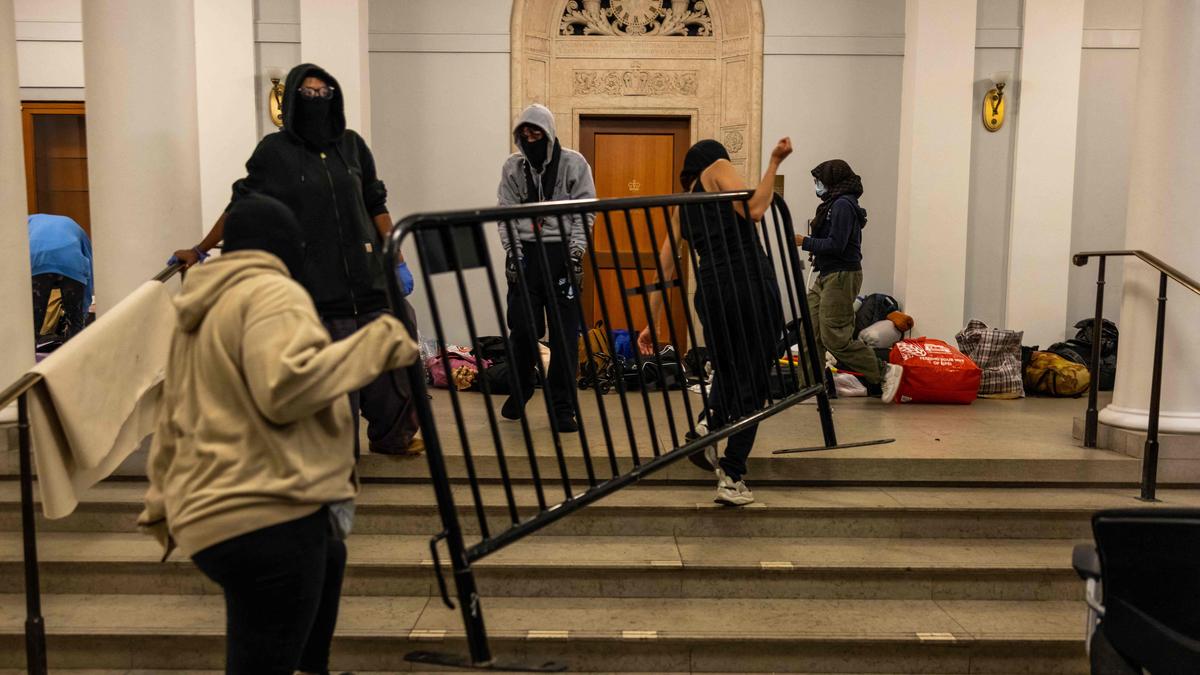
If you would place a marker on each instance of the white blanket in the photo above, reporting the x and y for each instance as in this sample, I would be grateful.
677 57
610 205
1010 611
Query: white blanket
99 399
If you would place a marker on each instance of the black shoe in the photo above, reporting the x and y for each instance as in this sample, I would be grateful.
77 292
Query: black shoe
513 408
565 424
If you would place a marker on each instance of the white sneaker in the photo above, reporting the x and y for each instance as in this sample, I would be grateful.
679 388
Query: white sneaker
891 382
731 493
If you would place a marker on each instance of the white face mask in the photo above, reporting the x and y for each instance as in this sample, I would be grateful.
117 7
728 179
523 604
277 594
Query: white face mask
819 188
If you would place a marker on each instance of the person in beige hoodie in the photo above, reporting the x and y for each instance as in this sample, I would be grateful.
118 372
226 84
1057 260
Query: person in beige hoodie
252 466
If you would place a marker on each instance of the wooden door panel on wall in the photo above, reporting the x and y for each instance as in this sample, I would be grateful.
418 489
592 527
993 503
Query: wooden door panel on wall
632 157
56 160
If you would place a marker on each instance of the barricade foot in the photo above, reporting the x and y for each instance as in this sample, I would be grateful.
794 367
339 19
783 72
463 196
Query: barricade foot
818 448
462 661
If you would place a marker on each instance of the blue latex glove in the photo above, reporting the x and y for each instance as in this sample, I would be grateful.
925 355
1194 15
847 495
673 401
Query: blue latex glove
406 279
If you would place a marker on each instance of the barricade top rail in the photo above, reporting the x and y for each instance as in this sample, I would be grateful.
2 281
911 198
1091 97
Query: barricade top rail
561 208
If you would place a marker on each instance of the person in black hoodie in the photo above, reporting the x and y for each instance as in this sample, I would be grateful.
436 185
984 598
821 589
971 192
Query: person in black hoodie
835 242
326 174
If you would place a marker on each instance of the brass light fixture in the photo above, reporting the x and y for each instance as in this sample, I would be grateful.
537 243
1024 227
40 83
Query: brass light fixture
993 102
275 101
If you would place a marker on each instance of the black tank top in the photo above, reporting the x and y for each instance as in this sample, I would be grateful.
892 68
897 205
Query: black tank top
725 242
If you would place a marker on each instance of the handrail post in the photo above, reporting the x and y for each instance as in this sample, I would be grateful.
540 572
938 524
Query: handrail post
1093 418
1150 453
35 625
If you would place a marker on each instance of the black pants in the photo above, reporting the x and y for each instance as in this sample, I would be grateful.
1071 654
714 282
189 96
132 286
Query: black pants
282 586
74 304
550 292
742 320
386 402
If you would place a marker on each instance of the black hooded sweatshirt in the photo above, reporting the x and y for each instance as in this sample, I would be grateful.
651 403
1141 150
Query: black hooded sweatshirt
329 182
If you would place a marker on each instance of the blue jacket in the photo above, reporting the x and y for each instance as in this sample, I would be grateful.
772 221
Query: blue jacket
57 245
836 244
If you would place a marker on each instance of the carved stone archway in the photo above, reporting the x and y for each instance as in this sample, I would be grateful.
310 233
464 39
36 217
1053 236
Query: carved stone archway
696 58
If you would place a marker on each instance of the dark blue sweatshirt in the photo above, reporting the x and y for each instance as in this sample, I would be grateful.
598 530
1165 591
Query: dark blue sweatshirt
836 244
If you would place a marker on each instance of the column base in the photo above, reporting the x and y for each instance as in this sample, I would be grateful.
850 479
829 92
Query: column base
1136 419
1178 454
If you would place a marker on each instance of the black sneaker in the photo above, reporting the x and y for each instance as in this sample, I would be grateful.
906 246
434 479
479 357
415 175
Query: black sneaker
513 408
566 424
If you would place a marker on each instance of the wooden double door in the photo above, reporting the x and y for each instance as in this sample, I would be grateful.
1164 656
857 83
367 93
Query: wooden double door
633 157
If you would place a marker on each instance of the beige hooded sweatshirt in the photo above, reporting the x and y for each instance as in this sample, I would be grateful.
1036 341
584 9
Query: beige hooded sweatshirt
255 429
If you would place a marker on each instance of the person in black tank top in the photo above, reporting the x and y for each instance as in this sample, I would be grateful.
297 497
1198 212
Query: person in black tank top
737 301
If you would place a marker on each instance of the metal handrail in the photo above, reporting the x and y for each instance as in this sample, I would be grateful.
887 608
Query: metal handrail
35 625
1081 259
1092 419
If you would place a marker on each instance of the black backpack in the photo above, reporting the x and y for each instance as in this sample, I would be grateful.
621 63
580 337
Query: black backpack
875 307
1082 344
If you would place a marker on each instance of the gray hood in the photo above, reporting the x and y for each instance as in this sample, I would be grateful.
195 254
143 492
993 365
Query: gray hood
539 116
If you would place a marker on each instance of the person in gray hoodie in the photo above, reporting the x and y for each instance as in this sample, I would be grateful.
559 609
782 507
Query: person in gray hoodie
544 278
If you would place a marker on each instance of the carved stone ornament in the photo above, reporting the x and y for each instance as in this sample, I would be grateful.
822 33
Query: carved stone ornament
636 82
734 141
683 18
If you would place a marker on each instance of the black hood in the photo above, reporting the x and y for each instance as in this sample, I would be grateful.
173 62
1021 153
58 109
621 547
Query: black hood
698 158
291 107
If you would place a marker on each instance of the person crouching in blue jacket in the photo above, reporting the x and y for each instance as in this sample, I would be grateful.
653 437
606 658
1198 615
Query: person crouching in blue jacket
60 256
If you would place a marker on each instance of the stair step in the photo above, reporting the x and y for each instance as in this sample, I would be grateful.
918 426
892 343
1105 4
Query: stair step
558 566
1022 442
612 634
657 510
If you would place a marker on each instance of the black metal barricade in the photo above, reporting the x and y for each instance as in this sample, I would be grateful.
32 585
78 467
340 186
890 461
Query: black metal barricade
640 430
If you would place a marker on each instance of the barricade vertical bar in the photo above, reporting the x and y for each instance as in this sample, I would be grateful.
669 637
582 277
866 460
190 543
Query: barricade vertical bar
687 313
687 310
637 356
771 262
1150 454
35 625
619 385
672 332
571 351
816 361
464 577
740 322
469 315
641 277
748 244
600 407
439 329
513 378
547 397
1092 420
788 273
553 318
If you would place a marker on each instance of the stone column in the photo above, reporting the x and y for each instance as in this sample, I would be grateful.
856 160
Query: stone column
935 164
16 329
1164 204
140 62
227 126
1047 91
333 35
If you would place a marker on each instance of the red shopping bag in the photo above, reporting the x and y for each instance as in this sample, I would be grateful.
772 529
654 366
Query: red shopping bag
934 372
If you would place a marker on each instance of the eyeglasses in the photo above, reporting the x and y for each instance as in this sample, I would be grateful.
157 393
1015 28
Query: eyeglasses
531 133
311 93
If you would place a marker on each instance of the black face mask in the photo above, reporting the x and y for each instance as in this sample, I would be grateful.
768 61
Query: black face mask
312 121
536 152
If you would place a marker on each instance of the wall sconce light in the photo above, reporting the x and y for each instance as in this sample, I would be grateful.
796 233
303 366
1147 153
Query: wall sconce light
275 101
993 102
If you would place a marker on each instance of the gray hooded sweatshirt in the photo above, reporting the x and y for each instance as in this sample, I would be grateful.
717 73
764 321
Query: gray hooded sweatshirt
574 181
